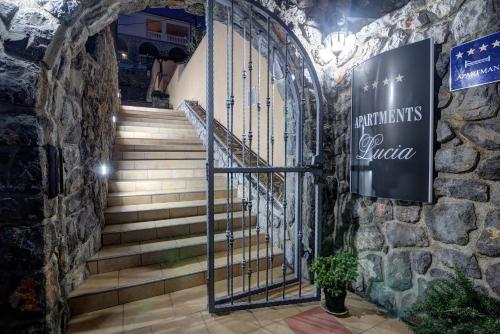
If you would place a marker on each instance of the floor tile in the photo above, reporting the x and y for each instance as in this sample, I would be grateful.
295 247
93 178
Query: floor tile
147 312
236 322
107 321
189 301
391 326
191 324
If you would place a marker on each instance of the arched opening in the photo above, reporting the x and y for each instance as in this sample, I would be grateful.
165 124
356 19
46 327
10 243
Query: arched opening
178 55
148 52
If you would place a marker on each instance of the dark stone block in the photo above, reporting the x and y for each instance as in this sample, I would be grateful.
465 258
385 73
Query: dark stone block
451 222
369 237
467 263
405 235
440 273
409 214
493 277
421 261
489 240
461 188
380 294
20 171
371 267
64 9
485 135
18 81
22 247
443 132
382 211
18 130
407 302
7 11
455 160
474 103
398 271
30 34
21 207
489 169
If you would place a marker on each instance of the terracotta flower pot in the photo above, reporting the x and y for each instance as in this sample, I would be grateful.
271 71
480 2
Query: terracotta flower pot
336 304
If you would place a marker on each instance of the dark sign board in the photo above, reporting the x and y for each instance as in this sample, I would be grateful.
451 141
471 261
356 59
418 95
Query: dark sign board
392 124
475 63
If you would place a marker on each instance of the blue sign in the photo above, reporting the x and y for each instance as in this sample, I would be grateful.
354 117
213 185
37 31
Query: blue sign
475 63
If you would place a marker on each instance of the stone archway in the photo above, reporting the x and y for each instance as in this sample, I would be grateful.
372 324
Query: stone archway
56 96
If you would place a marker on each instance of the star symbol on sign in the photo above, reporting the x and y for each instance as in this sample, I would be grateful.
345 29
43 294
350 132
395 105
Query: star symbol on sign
483 47
470 52
386 82
496 43
375 84
365 88
459 55
399 78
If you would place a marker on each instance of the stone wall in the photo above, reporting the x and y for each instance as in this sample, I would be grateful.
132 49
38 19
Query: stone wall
403 245
46 241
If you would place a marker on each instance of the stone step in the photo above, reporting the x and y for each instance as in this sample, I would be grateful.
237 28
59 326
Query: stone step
152 174
162 196
164 184
185 131
162 125
159 148
123 256
126 285
156 211
189 137
125 107
166 228
158 155
153 115
195 143
140 119
158 164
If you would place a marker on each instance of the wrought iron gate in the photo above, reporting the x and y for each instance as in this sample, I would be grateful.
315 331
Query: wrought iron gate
276 107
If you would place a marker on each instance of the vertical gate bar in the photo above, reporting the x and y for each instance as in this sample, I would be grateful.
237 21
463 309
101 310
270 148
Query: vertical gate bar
250 137
228 106
300 180
257 229
285 139
243 144
210 152
268 104
318 185
273 81
231 239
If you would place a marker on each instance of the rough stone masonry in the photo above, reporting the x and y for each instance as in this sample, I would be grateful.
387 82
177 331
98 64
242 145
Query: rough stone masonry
58 87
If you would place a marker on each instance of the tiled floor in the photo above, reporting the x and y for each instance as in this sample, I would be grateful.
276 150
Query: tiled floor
185 312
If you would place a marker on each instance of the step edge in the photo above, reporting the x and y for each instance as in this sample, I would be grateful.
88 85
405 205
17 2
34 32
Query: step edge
92 259
115 288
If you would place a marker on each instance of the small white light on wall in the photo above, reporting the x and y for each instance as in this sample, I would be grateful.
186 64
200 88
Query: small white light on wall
103 170
113 119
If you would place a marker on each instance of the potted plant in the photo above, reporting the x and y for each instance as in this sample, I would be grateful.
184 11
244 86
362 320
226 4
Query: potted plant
334 274
160 99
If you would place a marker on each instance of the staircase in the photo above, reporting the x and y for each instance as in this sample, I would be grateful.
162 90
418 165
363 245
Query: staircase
154 239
